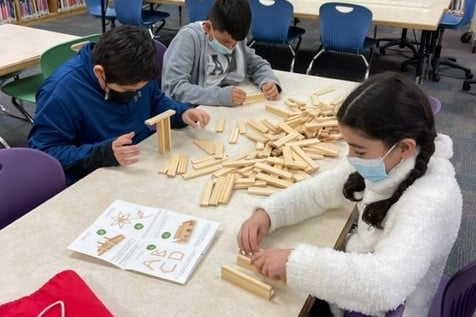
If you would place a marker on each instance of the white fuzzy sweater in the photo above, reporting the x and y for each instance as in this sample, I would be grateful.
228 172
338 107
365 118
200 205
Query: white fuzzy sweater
380 268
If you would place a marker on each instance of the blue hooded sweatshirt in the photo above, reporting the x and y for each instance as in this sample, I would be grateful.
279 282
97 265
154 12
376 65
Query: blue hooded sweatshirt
76 125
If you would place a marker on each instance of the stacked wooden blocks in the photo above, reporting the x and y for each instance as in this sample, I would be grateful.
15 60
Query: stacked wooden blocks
285 152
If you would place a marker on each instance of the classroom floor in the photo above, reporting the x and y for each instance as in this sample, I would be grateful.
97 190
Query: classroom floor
457 117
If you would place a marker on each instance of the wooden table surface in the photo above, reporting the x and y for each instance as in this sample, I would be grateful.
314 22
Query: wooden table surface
22 46
34 248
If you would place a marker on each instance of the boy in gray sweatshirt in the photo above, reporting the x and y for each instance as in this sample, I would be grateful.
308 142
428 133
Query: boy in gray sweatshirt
206 60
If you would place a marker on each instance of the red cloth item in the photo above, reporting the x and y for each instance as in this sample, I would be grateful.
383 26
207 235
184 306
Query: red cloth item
68 288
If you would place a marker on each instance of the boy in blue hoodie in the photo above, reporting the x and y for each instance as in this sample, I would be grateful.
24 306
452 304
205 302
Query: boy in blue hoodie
90 112
206 60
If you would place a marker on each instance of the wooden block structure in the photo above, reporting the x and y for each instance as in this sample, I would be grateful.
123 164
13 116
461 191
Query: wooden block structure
246 282
285 152
162 122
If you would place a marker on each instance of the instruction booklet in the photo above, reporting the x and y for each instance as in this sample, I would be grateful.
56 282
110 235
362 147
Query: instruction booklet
154 241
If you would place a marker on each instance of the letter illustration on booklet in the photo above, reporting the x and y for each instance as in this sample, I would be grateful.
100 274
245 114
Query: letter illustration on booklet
153 241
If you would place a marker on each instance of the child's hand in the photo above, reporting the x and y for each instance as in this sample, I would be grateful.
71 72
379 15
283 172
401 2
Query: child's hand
270 90
238 96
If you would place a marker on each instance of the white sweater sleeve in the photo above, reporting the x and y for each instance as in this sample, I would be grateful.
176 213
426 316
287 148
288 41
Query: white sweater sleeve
308 198
419 230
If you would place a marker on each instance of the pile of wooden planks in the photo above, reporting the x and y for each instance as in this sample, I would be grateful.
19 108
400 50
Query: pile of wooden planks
284 153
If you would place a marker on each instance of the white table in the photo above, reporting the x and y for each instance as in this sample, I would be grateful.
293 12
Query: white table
34 247
22 46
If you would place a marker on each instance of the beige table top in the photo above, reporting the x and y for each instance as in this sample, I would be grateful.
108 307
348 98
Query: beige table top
22 46
426 17
34 248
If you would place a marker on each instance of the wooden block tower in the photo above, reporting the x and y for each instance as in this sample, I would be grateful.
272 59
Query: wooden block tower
162 122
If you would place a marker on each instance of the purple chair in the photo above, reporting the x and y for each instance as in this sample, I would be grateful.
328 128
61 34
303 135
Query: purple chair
456 295
398 312
28 177
435 104
161 48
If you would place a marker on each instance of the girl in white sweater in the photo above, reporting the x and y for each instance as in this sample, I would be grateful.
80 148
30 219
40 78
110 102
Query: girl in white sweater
399 176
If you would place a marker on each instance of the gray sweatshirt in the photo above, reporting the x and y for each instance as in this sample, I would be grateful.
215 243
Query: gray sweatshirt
185 65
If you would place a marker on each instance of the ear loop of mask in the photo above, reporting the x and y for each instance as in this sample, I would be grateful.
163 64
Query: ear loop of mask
106 93
59 302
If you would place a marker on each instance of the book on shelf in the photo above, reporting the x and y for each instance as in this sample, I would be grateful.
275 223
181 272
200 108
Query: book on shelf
66 5
8 12
154 241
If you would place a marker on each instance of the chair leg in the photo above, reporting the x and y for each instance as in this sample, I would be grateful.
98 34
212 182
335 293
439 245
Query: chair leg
402 42
4 143
319 52
21 108
157 29
451 62
367 66
294 58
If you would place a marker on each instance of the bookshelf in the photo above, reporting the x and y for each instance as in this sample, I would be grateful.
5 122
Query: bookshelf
33 11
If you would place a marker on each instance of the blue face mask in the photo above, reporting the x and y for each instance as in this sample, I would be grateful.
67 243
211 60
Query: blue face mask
218 47
371 169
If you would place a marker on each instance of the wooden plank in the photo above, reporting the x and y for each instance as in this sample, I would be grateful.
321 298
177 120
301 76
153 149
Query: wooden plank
173 164
309 161
257 125
200 172
213 161
217 191
301 165
287 155
240 163
159 117
220 125
252 98
290 137
277 111
225 171
271 180
206 145
256 136
274 171
183 162
219 150
246 282
323 91
262 191
242 126
245 261
206 193
234 136
228 187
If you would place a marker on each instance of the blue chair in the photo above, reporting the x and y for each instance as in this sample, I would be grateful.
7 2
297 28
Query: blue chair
28 177
131 12
452 22
271 23
344 28
94 9
198 9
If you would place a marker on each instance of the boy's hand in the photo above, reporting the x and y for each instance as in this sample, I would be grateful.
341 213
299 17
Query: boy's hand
193 116
125 152
238 96
270 90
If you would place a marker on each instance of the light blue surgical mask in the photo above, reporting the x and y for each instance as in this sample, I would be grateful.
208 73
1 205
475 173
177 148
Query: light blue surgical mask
371 169
218 47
